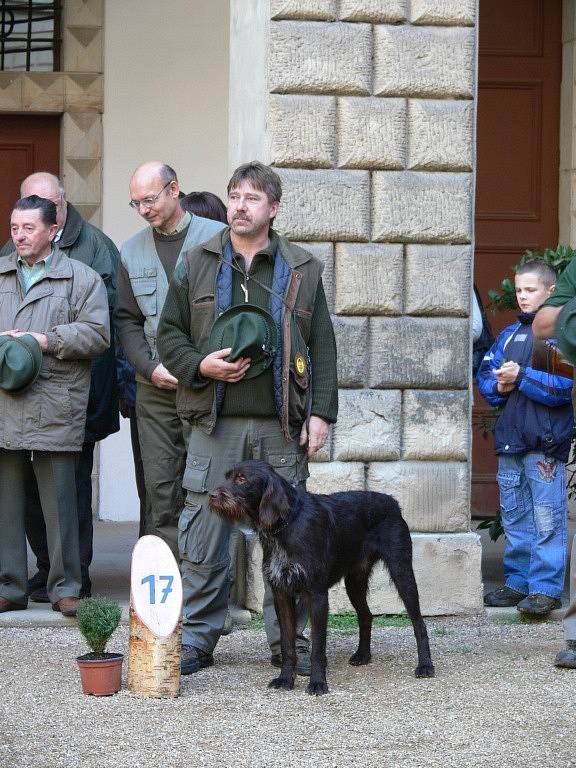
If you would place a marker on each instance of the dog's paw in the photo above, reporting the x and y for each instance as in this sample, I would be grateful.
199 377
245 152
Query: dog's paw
425 670
282 683
358 659
317 688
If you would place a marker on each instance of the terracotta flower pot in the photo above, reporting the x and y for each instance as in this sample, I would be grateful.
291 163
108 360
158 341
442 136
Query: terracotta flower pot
101 676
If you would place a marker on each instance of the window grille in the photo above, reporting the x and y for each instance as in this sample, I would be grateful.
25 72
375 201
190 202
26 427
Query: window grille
30 35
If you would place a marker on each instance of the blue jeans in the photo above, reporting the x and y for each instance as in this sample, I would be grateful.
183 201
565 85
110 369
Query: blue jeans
534 509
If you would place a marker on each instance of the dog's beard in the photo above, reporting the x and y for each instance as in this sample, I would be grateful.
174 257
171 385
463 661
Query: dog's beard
228 506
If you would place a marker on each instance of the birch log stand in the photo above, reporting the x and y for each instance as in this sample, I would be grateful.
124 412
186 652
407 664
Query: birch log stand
154 645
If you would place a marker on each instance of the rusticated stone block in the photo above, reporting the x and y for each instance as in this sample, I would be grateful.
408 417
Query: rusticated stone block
324 205
438 280
419 352
433 495
368 426
43 91
352 345
302 131
422 207
313 10
324 252
445 12
436 425
374 11
336 476
372 133
441 135
307 57
369 279
423 61
447 570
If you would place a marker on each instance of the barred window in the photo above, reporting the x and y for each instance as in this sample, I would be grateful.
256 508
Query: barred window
29 35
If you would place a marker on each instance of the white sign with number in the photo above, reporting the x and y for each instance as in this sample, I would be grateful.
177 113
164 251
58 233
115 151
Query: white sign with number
156 586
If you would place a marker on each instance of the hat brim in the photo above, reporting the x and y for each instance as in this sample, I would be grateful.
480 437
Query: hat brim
31 345
217 332
565 330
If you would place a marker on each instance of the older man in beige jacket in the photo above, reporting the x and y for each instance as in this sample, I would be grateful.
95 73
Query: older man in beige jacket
62 303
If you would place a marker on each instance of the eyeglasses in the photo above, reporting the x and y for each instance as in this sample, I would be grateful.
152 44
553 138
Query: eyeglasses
148 202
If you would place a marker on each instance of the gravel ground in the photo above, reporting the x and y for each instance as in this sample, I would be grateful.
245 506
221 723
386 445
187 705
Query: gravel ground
496 701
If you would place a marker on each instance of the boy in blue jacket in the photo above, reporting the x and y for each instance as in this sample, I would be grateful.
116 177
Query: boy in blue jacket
532 437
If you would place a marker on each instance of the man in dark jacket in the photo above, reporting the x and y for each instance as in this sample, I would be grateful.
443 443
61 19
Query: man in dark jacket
241 408
81 241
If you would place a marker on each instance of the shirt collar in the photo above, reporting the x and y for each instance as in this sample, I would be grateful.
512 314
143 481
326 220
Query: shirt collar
45 261
269 252
182 224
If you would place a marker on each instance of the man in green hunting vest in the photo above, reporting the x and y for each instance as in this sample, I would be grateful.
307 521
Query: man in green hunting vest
147 261
276 406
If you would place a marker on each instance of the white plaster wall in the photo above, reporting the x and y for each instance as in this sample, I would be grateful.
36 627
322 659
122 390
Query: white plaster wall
165 98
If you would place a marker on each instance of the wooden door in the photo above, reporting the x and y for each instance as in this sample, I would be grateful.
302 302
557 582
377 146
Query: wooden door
28 143
520 53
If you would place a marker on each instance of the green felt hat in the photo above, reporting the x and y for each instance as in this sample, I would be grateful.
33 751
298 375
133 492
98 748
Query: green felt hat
565 330
250 332
20 362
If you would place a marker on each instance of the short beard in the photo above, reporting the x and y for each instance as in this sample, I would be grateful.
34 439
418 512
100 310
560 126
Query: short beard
228 506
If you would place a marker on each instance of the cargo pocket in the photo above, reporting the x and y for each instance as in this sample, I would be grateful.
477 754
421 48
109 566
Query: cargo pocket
292 467
187 533
195 474
144 290
509 485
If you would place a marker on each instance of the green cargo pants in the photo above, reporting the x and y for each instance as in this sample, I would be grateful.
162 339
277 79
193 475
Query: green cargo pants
162 438
203 537
55 478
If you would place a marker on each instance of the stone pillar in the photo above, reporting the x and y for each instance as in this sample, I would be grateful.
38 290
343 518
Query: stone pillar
367 112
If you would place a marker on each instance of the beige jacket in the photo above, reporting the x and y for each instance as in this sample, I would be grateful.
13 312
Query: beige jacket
69 305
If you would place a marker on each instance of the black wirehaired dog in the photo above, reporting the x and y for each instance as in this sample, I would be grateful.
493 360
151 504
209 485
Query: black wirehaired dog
310 542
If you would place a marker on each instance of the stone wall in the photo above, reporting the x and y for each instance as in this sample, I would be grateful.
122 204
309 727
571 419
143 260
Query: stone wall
370 123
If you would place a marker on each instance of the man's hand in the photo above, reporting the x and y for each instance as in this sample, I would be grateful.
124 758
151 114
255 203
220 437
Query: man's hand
213 366
507 373
40 337
163 379
317 436
505 388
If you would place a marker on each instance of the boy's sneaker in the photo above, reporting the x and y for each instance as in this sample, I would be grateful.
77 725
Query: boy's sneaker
567 656
504 597
538 604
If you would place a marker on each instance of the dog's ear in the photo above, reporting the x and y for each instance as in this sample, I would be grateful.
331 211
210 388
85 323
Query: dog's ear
273 504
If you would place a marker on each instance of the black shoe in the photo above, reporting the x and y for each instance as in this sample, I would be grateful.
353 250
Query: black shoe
302 662
39 595
193 659
567 656
504 597
538 604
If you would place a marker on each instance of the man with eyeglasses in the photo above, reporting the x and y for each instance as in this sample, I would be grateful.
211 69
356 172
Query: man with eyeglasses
147 261
79 240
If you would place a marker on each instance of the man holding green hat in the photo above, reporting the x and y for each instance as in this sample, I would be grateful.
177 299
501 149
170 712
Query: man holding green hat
557 318
247 332
53 320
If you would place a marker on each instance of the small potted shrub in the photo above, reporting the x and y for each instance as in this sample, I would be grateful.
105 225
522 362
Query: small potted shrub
100 672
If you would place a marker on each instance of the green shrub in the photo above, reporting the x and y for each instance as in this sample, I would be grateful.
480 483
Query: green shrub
97 618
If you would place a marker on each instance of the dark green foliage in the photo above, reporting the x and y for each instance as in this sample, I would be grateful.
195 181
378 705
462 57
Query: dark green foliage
494 526
505 299
97 618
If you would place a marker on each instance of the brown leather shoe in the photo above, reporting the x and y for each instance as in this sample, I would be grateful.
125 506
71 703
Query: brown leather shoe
67 606
8 605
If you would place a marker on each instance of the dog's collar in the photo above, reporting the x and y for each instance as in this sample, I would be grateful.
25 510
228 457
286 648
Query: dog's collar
291 515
